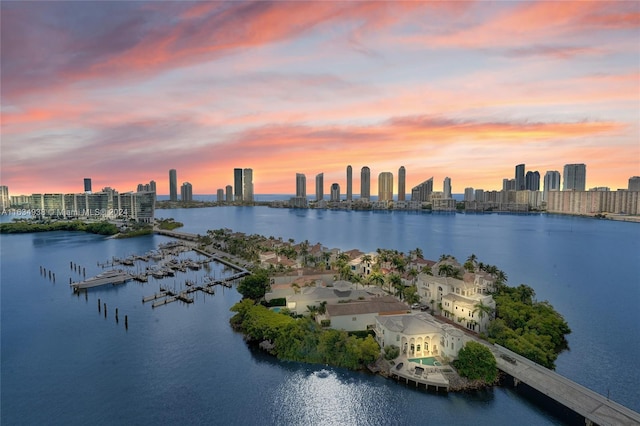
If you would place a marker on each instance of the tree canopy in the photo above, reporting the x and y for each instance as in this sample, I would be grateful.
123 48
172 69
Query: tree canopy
255 285
476 362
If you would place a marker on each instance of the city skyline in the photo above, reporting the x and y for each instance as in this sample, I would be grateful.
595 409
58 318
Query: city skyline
461 89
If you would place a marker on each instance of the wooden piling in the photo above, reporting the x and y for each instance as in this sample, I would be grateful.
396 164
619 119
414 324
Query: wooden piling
98 305
126 322
71 264
105 310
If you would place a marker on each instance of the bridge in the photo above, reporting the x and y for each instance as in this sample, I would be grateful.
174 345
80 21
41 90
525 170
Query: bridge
175 234
595 408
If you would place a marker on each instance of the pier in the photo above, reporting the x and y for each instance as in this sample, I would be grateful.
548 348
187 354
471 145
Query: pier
595 408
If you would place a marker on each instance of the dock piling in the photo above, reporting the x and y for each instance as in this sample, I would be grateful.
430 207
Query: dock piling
98 305
105 310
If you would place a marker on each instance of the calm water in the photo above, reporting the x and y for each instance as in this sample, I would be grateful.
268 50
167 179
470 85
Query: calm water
63 362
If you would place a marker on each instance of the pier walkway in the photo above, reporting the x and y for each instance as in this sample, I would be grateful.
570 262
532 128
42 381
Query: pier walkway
595 408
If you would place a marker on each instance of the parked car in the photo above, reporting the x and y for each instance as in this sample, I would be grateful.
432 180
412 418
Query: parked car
399 366
424 308
415 306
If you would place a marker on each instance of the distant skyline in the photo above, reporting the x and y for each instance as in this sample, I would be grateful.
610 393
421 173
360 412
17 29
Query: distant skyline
122 92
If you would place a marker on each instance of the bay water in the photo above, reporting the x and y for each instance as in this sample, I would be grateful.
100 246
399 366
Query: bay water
65 362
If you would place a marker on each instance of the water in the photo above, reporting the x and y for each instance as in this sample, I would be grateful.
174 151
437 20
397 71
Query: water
63 362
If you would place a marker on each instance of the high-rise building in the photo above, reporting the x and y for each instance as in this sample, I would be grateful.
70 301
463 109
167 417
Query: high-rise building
422 192
228 193
402 182
479 195
237 184
508 184
349 183
186 192
446 187
247 184
532 181
634 183
469 194
575 177
320 186
385 186
87 185
335 192
365 183
152 186
173 185
301 185
520 182
551 183
220 195
4 197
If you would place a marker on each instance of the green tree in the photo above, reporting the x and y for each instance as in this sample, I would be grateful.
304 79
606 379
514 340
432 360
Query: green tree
476 362
255 285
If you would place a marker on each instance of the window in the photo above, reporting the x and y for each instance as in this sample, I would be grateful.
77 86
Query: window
354 319
418 348
397 337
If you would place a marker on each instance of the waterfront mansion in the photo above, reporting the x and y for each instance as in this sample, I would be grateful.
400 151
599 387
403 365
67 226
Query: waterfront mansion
465 301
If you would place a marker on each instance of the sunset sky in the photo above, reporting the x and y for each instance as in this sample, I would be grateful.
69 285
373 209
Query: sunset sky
121 92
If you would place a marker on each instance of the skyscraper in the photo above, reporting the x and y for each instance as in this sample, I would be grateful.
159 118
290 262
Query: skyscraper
4 197
247 183
551 183
186 192
173 185
469 194
301 185
320 186
220 195
634 183
575 177
520 182
87 185
532 181
385 186
402 177
349 183
237 184
365 183
446 187
228 193
335 192
152 186
422 192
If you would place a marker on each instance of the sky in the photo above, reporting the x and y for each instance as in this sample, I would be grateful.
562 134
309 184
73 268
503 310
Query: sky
121 92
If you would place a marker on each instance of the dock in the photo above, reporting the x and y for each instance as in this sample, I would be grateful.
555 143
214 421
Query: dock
595 408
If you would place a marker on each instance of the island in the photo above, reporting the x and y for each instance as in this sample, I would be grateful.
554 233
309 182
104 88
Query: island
437 323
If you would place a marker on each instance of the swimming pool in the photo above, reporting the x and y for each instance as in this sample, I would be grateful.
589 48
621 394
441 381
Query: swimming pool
426 361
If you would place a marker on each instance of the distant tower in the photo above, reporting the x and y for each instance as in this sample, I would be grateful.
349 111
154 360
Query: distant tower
228 193
186 192
385 186
402 178
575 177
446 187
152 186
551 183
532 181
301 185
335 192
349 183
422 192
320 186
634 183
365 183
220 195
173 185
469 194
247 183
237 184
4 197
520 182
87 185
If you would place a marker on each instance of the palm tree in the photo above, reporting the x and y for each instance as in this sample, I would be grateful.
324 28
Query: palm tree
445 270
418 253
482 310
376 278
322 309
413 273
313 311
472 258
396 281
